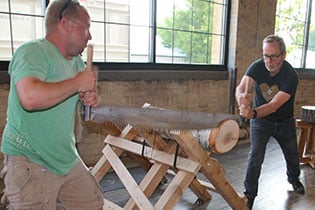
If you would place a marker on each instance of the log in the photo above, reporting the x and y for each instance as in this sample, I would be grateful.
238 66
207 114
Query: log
220 139
308 114
158 118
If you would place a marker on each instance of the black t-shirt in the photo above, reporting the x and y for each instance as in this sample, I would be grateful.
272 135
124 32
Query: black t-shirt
266 87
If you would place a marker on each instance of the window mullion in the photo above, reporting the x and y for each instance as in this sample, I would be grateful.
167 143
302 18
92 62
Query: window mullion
306 32
153 31
11 28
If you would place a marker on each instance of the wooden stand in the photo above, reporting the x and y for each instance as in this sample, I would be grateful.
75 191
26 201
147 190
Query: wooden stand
183 157
306 142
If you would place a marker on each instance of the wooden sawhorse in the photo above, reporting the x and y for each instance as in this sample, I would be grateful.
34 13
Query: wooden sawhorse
161 158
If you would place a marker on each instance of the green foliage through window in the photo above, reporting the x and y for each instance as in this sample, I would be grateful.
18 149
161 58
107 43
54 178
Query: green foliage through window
295 22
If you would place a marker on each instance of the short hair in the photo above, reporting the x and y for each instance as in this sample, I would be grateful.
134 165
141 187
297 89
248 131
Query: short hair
278 39
58 9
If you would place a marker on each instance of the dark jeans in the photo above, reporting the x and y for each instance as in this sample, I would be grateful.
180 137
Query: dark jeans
285 134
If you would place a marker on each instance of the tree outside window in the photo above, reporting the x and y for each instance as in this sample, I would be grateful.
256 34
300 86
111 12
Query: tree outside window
295 22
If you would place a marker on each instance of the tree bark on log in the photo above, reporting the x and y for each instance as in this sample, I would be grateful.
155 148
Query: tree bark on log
220 139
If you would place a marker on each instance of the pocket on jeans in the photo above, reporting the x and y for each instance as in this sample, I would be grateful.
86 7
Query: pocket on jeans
29 188
21 174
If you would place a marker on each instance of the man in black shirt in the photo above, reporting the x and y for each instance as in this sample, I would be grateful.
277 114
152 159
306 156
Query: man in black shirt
274 82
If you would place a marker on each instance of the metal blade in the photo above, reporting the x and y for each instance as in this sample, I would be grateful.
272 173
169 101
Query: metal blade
158 118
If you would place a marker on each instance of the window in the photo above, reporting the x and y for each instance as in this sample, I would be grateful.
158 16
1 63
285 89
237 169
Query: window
187 32
20 20
295 22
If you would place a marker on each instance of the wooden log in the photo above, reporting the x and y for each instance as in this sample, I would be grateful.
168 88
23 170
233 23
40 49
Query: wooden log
220 139
308 114
155 118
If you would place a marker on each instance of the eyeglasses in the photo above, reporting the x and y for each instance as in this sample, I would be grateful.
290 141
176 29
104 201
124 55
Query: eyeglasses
271 57
64 8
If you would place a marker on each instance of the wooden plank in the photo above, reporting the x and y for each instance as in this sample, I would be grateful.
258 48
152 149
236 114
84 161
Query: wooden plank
162 157
102 166
302 142
205 184
155 141
150 182
152 179
175 190
130 184
108 205
301 124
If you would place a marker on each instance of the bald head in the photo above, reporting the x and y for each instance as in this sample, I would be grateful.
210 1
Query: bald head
59 9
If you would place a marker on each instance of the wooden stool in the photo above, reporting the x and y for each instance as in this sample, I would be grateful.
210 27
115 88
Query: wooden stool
306 141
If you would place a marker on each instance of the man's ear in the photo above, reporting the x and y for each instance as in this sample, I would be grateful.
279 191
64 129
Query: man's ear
284 55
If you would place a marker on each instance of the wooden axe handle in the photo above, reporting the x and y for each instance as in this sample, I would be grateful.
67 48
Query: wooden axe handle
244 121
246 85
89 64
89 61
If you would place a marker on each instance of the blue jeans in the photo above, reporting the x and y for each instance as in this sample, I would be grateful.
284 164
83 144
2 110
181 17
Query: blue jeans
285 134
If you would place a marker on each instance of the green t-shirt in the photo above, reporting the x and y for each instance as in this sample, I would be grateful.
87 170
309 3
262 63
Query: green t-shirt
45 137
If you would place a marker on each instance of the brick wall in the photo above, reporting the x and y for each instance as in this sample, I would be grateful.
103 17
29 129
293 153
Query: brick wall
4 91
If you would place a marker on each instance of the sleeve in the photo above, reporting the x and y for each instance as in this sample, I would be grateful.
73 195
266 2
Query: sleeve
28 61
290 80
252 70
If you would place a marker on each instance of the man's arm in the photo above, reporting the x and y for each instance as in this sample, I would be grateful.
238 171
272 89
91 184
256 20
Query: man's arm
278 100
244 100
35 94
243 91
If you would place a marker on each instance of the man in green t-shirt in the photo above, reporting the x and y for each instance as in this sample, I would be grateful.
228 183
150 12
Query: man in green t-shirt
41 163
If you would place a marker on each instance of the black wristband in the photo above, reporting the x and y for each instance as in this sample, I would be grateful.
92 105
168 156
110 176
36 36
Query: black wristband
255 114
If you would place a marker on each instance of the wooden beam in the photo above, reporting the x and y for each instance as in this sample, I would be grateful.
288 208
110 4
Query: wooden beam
108 205
212 169
155 141
153 177
175 190
149 183
162 157
125 177
102 166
